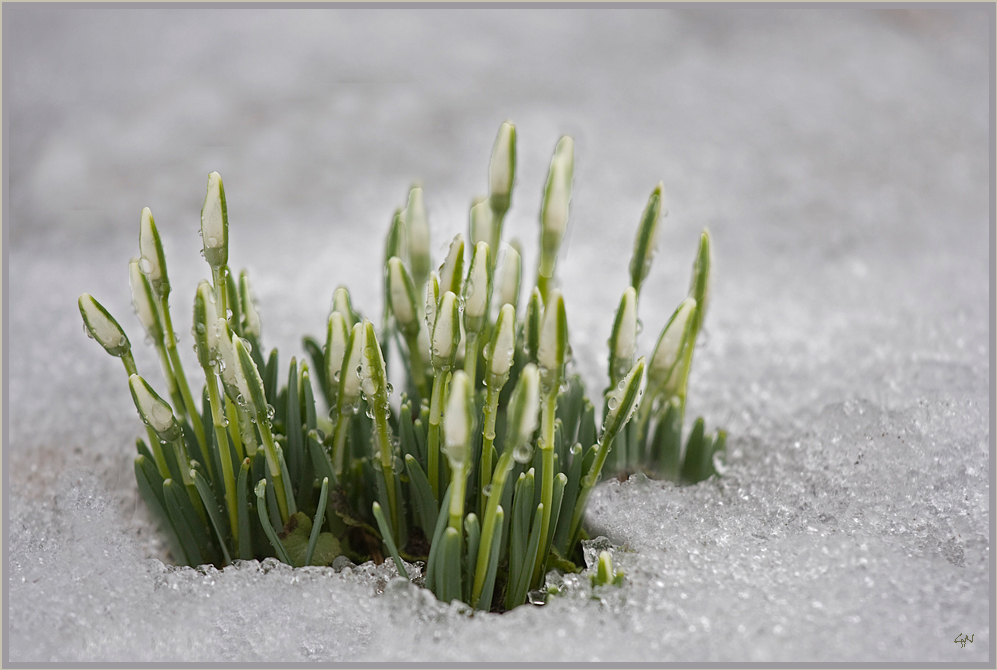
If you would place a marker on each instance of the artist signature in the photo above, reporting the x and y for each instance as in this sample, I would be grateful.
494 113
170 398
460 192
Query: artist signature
962 638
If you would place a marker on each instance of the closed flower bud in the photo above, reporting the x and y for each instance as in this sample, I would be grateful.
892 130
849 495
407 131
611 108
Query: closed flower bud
481 222
144 301
446 333
101 326
554 213
502 168
623 401
553 349
349 380
401 291
205 320
452 270
373 376
510 277
234 381
336 340
155 412
623 341
477 290
152 261
699 286
257 400
214 223
341 303
670 349
458 421
524 407
646 242
418 235
534 319
502 347
432 299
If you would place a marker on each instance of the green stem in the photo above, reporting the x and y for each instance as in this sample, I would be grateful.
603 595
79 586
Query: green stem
459 481
502 470
433 445
221 294
543 283
270 449
171 380
387 460
488 439
224 454
471 356
188 399
232 416
339 443
183 462
547 491
418 366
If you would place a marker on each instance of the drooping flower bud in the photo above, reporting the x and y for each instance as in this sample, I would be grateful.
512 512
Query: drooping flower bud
478 289
214 223
155 412
144 302
446 333
101 326
458 421
401 292
152 261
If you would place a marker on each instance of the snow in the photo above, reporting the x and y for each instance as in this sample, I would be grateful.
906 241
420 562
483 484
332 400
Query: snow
840 158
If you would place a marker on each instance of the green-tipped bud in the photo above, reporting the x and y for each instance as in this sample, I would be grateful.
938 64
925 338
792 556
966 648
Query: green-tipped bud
502 168
623 400
699 286
646 242
478 289
418 235
481 222
373 376
510 277
101 326
205 319
341 303
458 421
214 223
552 353
446 333
396 243
349 380
554 213
229 369
452 270
155 412
250 317
144 302
256 402
502 348
152 261
623 341
337 338
432 299
524 408
401 292
670 349
534 318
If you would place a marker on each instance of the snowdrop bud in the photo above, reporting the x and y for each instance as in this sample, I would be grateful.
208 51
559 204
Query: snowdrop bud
373 376
623 341
144 301
155 412
553 349
336 340
101 326
477 290
622 402
251 318
349 381
502 347
446 333
233 380
341 303
452 270
481 222
646 242
554 213
396 243
214 223
256 400
152 261
510 277
524 407
401 292
205 320
534 318
675 338
700 285
418 235
458 421
502 168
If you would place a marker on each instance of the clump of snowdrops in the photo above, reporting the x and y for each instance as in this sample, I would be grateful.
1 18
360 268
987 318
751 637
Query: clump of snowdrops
483 467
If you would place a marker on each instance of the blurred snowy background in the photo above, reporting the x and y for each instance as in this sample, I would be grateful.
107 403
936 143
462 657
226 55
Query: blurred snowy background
840 158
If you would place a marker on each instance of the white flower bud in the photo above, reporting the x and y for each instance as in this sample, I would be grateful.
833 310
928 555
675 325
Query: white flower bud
401 290
503 345
101 326
477 290
234 380
349 381
502 167
458 421
481 222
446 332
524 407
152 261
670 345
557 195
336 341
214 222
510 277
452 271
155 411
144 301
341 304
623 341
552 352
373 376
418 235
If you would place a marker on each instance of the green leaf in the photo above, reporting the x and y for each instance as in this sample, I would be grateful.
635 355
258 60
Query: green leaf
176 501
646 241
245 550
485 600
317 524
385 529
217 522
261 488
422 496
695 449
472 528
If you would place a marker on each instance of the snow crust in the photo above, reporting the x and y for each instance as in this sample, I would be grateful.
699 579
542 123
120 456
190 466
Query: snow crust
839 157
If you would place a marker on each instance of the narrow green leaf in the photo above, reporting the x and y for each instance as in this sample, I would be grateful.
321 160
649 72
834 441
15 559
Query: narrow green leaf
270 377
485 600
150 486
319 517
517 596
175 499
434 547
451 574
694 453
386 536
422 496
472 528
217 522
245 549
261 488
